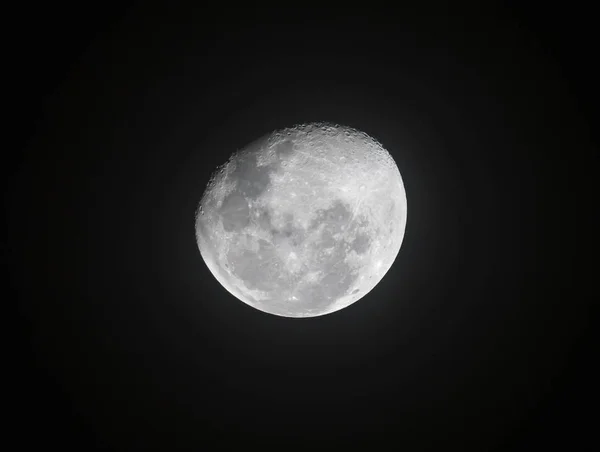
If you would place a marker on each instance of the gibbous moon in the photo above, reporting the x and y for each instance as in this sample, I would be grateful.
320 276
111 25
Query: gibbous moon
304 221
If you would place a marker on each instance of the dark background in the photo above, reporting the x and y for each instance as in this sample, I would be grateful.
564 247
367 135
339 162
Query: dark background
478 336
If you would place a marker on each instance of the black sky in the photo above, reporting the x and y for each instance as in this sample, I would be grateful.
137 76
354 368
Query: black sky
476 339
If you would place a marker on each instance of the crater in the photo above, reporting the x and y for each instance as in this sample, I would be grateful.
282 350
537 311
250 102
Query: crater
284 149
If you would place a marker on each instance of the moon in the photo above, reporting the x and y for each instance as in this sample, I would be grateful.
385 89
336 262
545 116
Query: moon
304 221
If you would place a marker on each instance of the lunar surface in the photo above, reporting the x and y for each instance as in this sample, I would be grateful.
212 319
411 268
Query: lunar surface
304 221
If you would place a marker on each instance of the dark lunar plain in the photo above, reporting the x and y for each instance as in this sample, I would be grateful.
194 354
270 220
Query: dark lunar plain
478 338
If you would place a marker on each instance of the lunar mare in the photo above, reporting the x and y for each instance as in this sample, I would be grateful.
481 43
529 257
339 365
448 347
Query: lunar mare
303 222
